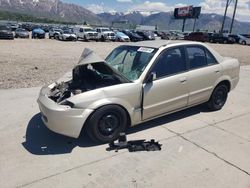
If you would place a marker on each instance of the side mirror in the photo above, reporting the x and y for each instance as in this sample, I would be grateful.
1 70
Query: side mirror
151 77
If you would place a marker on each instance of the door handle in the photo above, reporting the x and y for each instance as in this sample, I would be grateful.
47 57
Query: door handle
183 80
217 71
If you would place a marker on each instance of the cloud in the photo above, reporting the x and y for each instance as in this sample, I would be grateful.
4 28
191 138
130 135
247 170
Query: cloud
151 7
218 7
97 9
124 1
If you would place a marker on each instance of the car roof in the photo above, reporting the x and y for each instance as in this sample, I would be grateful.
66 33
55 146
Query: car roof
161 43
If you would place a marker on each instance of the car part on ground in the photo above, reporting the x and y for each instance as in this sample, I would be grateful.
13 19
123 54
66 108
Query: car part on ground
38 33
6 33
133 145
136 83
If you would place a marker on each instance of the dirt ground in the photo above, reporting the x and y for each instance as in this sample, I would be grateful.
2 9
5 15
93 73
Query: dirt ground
28 63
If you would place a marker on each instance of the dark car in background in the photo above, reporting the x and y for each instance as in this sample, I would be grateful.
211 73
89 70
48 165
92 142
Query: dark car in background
21 33
146 35
134 37
6 33
197 36
221 38
38 33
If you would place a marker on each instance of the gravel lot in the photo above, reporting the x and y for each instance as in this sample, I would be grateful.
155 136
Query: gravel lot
29 63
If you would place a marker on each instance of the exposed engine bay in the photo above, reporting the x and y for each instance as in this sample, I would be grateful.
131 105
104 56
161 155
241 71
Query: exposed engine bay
85 78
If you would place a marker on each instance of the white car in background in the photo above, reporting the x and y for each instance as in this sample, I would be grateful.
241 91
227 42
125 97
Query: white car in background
67 35
244 40
121 37
105 34
136 83
86 33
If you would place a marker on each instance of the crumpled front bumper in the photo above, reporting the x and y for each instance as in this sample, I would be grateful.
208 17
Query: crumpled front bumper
62 119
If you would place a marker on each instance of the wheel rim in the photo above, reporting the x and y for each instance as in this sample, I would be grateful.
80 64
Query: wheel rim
108 124
220 97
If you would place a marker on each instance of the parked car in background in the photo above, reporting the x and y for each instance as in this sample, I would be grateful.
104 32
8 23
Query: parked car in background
38 33
235 37
121 37
6 33
134 37
21 33
67 35
136 83
54 33
147 35
166 36
86 33
197 36
221 38
105 34
176 35
244 40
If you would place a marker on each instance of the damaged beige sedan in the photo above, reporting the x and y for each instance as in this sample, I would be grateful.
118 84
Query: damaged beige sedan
136 83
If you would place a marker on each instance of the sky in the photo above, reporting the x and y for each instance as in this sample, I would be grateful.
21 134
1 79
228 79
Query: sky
208 6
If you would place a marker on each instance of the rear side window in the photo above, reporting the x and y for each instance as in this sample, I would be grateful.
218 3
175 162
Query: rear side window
197 57
210 58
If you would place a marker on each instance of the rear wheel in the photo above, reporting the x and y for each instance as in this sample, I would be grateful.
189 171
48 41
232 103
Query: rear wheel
218 97
106 123
243 42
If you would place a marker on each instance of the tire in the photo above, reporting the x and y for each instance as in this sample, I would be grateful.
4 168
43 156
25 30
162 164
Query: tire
218 98
243 43
106 123
102 39
225 42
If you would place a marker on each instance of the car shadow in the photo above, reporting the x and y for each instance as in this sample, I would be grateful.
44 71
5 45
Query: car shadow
41 141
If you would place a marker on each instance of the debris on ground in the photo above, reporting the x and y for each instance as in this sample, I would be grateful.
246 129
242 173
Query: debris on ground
133 145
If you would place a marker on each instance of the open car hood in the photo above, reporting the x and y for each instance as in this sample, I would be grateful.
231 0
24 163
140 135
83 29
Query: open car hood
90 57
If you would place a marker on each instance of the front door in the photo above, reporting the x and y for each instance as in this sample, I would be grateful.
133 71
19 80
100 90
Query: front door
169 91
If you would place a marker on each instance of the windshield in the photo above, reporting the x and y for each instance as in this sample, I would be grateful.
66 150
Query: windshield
20 30
3 27
130 61
89 30
104 30
67 32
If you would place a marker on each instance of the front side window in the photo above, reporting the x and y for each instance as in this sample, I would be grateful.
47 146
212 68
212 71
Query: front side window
196 57
130 61
171 61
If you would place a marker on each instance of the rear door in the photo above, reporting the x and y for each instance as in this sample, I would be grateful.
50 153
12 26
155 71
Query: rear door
169 90
204 71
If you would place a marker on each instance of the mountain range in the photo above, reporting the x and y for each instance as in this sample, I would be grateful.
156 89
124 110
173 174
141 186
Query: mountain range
58 10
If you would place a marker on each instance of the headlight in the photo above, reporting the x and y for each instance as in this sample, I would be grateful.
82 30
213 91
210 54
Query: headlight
67 103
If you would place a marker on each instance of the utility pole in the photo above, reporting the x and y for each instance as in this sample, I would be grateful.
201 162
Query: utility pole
224 18
183 25
235 7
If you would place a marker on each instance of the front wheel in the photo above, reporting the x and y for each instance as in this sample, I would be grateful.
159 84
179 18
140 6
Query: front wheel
106 123
243 42
218 98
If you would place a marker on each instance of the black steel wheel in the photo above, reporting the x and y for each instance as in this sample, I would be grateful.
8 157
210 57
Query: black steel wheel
218 97
106 123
